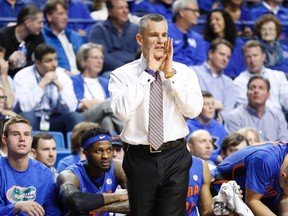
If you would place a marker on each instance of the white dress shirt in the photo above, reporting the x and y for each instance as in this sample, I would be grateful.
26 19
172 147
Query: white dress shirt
69 51
130 88
29 94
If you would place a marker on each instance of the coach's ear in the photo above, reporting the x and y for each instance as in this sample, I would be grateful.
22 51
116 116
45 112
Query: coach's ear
139 39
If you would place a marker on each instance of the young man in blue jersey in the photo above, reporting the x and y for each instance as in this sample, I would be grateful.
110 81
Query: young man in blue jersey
27 186
262 172
91 183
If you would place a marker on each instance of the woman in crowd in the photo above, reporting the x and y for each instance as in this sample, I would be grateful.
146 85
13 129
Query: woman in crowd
251 135
91 89
220 24
268 29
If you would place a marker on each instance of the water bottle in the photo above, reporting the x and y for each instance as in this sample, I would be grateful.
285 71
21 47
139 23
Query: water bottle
21 62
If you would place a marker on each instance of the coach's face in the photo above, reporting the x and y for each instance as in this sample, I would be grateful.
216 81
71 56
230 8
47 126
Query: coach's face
153 38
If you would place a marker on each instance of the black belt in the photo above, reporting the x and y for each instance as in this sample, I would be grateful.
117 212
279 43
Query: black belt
149 148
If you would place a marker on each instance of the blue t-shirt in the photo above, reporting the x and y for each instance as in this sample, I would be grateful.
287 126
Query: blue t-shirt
36 184
256 167
67 161
86 185
196 179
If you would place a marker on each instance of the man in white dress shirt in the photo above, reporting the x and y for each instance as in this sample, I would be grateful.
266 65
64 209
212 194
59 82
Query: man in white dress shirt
45 93
157 178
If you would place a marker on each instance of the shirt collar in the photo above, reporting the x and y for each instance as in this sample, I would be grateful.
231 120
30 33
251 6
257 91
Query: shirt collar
208 68
263 71
274 10
253 111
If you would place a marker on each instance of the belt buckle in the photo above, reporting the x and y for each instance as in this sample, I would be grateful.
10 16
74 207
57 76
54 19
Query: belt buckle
154 151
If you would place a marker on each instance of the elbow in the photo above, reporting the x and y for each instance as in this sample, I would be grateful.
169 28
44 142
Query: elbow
73 203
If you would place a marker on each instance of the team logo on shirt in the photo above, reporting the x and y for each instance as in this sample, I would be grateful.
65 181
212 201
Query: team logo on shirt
195 177
109 181
17 193
192 42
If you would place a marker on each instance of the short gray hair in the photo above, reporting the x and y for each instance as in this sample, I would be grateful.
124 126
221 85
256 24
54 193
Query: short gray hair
149 17
82 54
181 4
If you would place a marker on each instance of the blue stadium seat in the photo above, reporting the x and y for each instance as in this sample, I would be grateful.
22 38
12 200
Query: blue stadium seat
58 137
62 150
68 139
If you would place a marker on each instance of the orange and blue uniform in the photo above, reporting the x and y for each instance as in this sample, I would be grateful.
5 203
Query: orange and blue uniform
256 167
196 179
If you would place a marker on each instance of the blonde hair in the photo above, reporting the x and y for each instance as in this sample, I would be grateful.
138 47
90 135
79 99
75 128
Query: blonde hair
244 132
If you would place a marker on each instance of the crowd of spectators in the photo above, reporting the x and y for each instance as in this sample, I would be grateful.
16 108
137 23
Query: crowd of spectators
56 57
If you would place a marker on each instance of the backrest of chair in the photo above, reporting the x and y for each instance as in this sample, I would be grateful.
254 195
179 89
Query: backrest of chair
68 139
58 137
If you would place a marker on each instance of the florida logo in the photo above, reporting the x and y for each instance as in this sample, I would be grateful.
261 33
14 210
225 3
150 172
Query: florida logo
17 193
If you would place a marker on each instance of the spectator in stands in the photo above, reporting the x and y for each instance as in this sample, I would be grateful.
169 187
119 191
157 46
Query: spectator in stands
212 78
163 7
199 198
187 44
254 56
261 171
118 148
10 8
6 96
76 10
272 7
100 12
268 29
44 150
117 35
4 116
200 144
251 135
239 13
232 143
207 122
219 24
27 186
45 93
90 184
92 90
76 150
63 39
270 123
29 24
6 82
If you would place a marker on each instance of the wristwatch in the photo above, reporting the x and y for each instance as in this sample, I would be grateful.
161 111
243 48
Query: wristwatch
170 74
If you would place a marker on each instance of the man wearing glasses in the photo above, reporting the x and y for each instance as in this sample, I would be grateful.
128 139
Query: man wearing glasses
187 44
